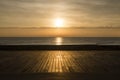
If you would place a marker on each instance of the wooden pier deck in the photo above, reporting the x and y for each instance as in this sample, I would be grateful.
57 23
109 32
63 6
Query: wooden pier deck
59 65
59 61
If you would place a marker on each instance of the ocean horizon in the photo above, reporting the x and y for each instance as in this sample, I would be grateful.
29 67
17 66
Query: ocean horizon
59 40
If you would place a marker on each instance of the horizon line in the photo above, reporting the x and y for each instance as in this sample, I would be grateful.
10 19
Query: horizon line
104 27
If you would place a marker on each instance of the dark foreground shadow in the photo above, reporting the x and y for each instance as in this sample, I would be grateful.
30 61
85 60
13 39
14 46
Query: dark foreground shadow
59 47
60 76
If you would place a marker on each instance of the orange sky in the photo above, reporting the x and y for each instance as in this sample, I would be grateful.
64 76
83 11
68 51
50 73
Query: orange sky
59 32
42 13
16 15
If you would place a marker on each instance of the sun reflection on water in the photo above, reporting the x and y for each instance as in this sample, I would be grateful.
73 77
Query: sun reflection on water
58 41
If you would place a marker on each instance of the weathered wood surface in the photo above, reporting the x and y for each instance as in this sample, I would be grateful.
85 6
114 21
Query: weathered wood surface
59 61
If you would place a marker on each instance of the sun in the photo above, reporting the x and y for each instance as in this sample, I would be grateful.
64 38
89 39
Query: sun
58 22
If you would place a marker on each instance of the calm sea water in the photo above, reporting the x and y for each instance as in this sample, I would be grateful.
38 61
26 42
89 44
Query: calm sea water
59 40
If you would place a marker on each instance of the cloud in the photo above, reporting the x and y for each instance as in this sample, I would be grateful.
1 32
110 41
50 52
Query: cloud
77 12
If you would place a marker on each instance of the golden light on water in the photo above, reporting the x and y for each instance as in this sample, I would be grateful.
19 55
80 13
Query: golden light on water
59 22
58 41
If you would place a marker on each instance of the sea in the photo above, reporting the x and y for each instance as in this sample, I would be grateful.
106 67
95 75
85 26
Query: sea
59 40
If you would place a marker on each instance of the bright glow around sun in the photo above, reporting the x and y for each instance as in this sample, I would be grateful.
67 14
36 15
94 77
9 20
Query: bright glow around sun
58 22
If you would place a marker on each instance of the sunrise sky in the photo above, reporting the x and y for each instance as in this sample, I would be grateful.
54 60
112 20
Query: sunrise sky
59 14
